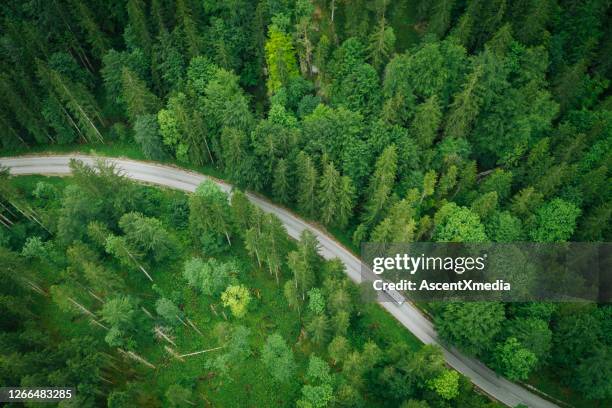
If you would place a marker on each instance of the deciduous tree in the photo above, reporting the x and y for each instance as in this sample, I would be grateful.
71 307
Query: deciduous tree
278 358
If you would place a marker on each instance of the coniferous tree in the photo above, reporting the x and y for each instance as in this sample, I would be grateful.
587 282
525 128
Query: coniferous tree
381 185
424 127
465 107
280 185
382 43
209 214
139 100
306 175
146 134
335 196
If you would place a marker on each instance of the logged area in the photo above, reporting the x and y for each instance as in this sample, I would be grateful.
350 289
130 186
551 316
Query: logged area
444 121
141 304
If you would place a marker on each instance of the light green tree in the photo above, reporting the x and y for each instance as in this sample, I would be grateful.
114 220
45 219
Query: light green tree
280 59
446 385
278 358
237 299
513 360
555 221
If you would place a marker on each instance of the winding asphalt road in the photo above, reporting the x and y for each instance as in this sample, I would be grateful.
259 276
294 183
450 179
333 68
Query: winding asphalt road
488 381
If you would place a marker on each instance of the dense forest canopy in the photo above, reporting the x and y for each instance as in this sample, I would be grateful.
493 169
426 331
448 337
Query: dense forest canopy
499 107
388 121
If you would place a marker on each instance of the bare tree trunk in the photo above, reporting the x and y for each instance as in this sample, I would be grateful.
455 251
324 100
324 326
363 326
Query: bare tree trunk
147 312
35 287
94 321
173 353
82 308
138 264
5 221
160 333
193 325
181 320
201 352
485 173
95 296
208 150
105 379
212 307
136 357
258 258
78 106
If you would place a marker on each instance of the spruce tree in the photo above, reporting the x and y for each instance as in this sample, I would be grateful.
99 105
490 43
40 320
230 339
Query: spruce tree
306 175
381 185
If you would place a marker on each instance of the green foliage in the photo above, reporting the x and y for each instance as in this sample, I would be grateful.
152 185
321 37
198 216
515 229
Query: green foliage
594 374
504 227
496 113
319 329
278 358
555 221
426 122
168 311
316 302
45 192
147 236
121 315
471 325
307 182
237 348
280 59
336 197
513 360
382 43
338 349
34 247
381 185
209 213
446 385
458 224
281 189
147 135
139 100
317 395
533 334
211 277
237 299
178 396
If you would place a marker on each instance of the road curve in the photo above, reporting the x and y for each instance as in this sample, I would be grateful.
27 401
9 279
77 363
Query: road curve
488 381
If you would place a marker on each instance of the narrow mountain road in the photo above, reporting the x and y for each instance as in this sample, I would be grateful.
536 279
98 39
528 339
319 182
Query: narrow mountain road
488 381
